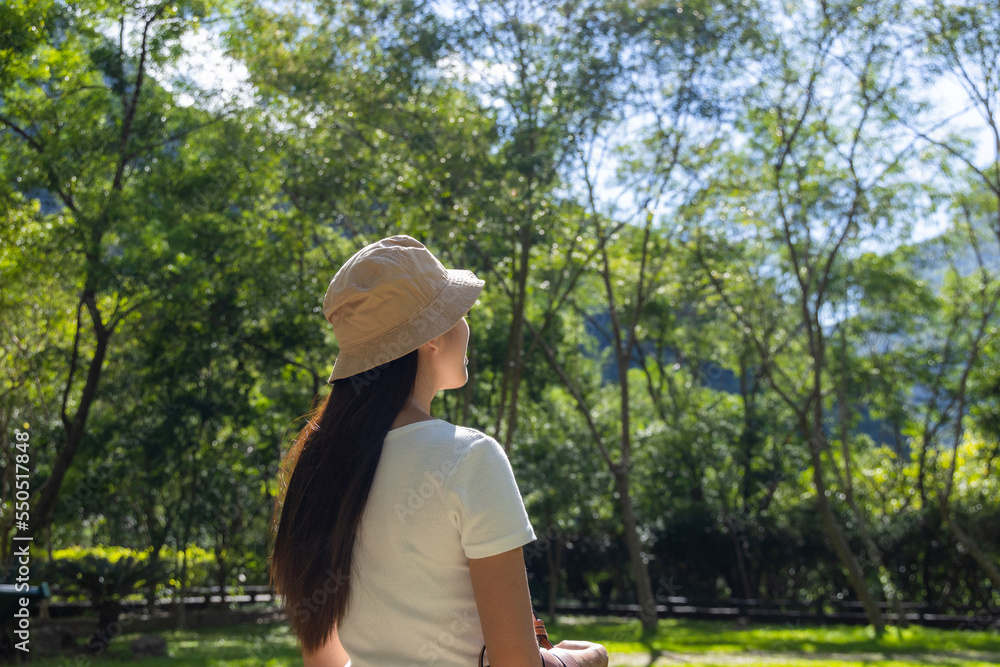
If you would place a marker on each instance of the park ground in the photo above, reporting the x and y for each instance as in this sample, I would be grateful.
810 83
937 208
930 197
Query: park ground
676 642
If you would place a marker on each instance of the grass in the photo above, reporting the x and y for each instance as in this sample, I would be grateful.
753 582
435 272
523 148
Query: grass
702 643
707 643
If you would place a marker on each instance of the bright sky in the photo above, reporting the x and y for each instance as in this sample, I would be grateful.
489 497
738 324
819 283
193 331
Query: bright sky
209 70
224 81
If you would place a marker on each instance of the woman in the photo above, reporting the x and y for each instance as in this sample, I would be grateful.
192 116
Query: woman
399 535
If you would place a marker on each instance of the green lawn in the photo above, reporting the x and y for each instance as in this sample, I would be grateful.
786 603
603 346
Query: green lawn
707 643
701 643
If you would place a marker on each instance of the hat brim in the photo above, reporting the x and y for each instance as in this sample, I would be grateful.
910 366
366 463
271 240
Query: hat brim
454 300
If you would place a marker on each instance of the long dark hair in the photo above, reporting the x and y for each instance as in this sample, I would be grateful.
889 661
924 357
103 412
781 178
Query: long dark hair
324 483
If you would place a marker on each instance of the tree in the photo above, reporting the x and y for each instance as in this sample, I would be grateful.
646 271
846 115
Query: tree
961 47
552 69
52 88
822 171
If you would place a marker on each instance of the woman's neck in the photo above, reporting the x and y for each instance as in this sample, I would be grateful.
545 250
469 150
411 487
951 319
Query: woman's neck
415 411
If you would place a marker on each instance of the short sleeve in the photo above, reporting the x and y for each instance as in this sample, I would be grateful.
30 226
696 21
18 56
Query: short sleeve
485 503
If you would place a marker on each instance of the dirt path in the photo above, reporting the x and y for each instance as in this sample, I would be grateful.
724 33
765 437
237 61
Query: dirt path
767 658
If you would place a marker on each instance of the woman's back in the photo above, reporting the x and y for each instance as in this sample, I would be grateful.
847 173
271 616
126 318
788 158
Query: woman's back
442 494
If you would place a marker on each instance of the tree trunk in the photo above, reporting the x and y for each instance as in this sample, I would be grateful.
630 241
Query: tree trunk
640 569
514 361
873 550
156 540
837 539
740 562
944 506
223 538
109 611
989 567
554 558
818 443
154 561
181 608
48 492
222 572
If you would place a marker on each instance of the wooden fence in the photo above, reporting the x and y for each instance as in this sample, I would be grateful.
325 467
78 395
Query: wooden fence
819 612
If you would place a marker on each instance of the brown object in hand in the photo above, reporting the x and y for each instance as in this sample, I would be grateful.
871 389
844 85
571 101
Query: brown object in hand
551 656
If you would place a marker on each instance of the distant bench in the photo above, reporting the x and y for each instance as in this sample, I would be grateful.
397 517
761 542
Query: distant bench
10 598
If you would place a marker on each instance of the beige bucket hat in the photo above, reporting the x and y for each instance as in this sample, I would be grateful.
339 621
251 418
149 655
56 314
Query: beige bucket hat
391 297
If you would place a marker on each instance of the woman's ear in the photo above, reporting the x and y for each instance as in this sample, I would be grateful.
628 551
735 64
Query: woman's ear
433 345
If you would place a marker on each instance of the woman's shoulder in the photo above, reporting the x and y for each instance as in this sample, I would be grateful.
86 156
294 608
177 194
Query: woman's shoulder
459 440
471 434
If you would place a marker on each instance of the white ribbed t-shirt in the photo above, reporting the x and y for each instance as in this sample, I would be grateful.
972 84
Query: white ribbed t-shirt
442 494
